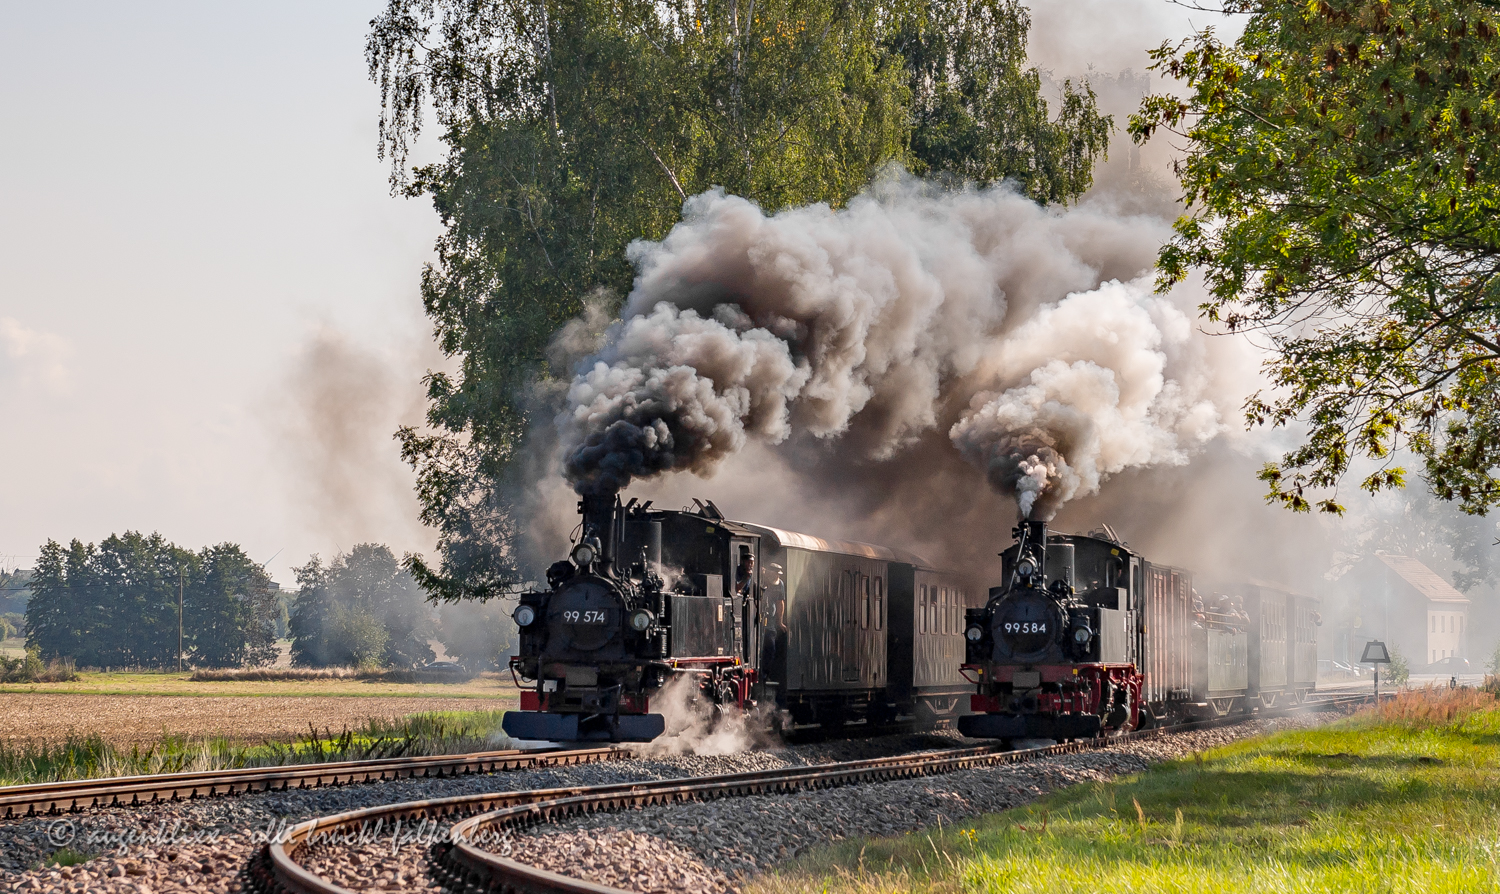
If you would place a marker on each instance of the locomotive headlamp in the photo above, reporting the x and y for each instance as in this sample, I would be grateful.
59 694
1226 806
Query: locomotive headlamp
1026 567
525 616
583 554
1082 635
640 620
974 634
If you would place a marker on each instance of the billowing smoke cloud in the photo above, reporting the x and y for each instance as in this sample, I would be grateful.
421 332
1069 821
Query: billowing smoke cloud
673 390
1098 395
977 314
335 411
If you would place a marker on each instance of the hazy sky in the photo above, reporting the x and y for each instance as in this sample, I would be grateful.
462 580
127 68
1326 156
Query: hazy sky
198 254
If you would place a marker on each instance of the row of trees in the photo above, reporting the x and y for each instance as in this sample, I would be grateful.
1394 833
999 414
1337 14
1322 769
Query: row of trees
359 609
116 604
364 609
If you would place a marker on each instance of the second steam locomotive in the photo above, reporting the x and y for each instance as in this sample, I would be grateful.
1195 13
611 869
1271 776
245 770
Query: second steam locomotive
1086 637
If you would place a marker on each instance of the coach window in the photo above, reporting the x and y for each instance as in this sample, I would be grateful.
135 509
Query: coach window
864 617
879 604
922 609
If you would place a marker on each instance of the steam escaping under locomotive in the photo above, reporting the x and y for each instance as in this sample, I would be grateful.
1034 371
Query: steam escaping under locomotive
748 617
1086 637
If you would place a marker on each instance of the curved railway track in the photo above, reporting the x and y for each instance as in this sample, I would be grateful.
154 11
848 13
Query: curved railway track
132 791
488 817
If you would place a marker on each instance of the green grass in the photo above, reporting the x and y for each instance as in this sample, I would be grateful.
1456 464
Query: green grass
1405 801
91 757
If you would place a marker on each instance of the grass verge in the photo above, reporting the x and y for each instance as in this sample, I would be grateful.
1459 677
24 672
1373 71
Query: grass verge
91 757
1400 799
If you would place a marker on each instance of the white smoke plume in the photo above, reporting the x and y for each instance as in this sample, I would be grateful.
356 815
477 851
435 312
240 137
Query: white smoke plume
911 311
695 726
1097 392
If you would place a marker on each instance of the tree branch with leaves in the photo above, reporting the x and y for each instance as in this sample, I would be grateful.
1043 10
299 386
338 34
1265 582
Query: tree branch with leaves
1342 171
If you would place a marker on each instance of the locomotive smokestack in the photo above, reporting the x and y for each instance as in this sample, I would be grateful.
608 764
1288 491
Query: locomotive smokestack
1031 534
599 511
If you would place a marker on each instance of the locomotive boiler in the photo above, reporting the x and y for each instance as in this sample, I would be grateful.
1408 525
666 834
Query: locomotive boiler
1086 637
807 630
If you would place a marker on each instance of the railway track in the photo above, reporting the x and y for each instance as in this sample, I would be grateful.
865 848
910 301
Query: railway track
132 791
479 819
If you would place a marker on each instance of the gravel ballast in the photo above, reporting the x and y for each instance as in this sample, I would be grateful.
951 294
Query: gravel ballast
164 848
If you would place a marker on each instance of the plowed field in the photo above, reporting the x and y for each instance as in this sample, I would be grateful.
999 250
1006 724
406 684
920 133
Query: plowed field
130 719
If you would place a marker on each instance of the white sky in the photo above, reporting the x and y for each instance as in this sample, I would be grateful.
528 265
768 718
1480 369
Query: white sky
189 200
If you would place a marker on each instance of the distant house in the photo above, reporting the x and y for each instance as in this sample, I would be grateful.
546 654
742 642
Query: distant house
1401 601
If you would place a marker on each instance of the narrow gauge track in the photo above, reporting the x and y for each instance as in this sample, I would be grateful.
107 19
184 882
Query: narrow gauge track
278 868
131 791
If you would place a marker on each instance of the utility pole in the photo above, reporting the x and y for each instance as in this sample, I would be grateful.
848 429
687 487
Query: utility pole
179 620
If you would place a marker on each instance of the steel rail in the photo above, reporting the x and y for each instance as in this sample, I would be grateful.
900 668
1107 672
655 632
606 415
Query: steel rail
278 867
129 791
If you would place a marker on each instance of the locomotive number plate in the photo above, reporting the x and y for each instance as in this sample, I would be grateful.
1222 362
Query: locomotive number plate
1025 626
591 616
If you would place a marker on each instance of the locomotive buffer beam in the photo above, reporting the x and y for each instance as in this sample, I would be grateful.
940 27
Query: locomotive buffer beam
567 727
1030 726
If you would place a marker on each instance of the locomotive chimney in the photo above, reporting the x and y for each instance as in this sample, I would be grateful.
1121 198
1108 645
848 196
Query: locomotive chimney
599 511
1032 536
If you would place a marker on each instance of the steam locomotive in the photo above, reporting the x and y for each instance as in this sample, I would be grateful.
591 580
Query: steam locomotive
746 617
1087 637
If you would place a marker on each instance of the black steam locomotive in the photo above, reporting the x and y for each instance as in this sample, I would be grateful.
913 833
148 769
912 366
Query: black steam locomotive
811 631
1086 636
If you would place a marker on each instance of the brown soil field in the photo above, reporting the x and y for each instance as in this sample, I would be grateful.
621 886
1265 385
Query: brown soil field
132 719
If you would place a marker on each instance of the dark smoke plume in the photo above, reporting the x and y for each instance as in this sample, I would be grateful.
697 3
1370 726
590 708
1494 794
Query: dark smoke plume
977 314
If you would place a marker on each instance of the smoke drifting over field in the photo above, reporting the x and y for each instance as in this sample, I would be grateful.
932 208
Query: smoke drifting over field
334 412
1014 334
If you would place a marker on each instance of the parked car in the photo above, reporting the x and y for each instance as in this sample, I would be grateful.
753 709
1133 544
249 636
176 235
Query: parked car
1451 665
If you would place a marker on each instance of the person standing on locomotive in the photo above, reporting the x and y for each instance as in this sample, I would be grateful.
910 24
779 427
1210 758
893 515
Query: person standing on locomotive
747 593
